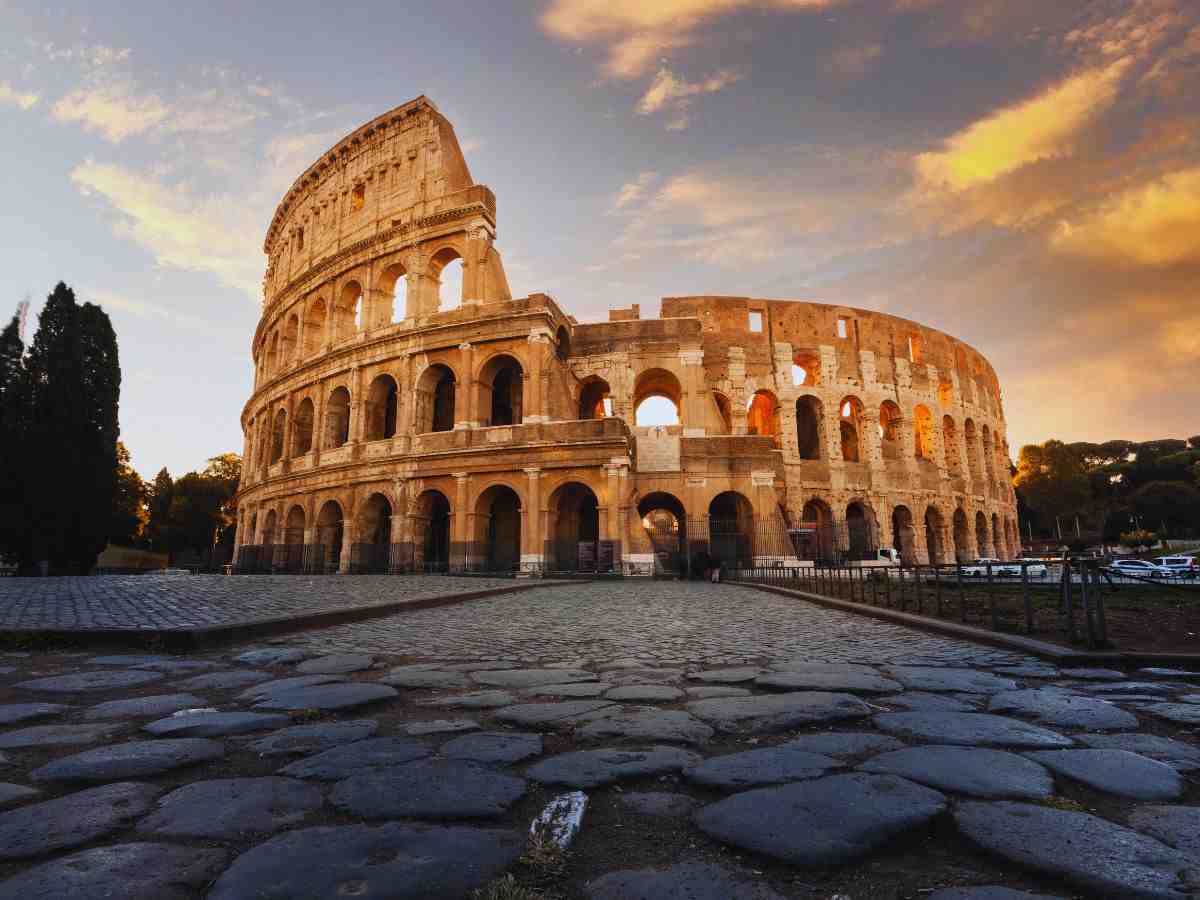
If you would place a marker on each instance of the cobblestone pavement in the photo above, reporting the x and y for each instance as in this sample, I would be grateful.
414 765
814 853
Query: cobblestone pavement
698 741
140 602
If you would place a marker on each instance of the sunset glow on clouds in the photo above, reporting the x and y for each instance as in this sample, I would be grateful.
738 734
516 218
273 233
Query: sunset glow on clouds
1024 175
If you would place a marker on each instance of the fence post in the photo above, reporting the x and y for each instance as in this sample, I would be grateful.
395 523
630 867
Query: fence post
1085 600
992 599
1101 621
1068 607
962 597
1028 600
937 589
917 588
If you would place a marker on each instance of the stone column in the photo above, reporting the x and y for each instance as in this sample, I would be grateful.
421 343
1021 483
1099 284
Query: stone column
532 542
691 416
459 515
532 409
289 434
765 502
737 380
347 543
357 407
610 525
318 441
464 411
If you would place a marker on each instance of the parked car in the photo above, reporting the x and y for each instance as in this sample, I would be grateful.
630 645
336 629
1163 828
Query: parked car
1180 566
1141 568
1012 568
979 568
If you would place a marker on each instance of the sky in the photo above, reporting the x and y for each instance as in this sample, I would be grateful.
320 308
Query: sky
1022 174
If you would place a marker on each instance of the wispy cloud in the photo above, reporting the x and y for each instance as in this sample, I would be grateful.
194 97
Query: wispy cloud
10 96
636 33
675 94
633 191
111 300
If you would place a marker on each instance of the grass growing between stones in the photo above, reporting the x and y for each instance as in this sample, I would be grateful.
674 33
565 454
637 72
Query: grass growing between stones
538 874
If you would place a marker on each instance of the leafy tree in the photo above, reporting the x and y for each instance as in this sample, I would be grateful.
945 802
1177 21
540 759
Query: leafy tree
129 513
158 504
1052 480
226 471
1139 539
1173 505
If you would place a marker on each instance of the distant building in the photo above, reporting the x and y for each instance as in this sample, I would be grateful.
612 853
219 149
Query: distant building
392 428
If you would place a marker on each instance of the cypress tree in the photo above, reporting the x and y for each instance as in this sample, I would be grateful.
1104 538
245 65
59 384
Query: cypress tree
14 421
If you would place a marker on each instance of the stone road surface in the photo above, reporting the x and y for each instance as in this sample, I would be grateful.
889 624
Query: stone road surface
139 602
723 743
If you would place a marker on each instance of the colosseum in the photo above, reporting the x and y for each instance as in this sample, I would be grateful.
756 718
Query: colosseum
392 428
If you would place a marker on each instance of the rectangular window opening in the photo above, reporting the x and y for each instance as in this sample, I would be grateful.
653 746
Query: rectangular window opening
842 329
914 349
756 322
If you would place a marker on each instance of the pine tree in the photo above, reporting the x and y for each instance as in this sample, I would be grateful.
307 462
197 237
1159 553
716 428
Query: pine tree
14 421
158 527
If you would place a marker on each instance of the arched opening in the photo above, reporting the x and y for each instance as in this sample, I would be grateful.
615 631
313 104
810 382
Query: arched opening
998 548
273 354
725 411
393 296
446 271
435 399
970 439
981 535
497 530
278 433
922 433
819 540
945 393
382 398
850 416
287 346
808 427
562 343
294 530
329 534
254 535
314 327
500 385
903 535
595 399
347 313
950 447
665 522
962 537
862 538
371 553
337 419
574 529
270 523
934 531
431 532
989 455
731 529
890 441
762 418
657 397
806 368
302 428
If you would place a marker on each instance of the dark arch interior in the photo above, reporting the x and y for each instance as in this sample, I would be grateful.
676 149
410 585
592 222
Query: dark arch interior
575 528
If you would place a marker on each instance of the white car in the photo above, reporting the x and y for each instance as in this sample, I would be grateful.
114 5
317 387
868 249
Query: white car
1012 568
979 568
1139 567
1180 566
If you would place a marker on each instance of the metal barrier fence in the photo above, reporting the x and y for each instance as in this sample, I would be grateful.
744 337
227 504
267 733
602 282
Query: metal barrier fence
1008 596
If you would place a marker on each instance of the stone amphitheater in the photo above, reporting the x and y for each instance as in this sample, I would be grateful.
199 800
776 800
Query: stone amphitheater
395 428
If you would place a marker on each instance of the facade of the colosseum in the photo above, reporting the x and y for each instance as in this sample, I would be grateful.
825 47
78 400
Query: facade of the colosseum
393 428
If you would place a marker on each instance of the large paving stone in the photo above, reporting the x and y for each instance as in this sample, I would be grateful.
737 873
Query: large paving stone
644 693
128 659
659 804
970 729
283 685
755 768
12 713
494 747
272 656
527 678
1056 707
56 735
389 861
822 822
1115 772
232 807
777 712
1161 672
314 738
1184 757
670 725
708 691
350 759
428 789
727 676
328 696
1028 670
104 680
967 681
922 701
1105 688
130 760
224 681
1094 674
214 724
555 715
1088 851
975 771
16 793
591 768
1178 826
143 870
987 892
423 676
145 707
1179 713
681 881
72 820
578 689
845 743
475 700
336 664
851 678
439 726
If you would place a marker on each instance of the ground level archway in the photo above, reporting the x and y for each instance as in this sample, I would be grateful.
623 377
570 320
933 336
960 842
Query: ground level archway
496 543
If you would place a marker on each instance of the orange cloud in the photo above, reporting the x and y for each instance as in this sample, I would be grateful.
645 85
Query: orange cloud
10 96
1152 224
1043 127
676 94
